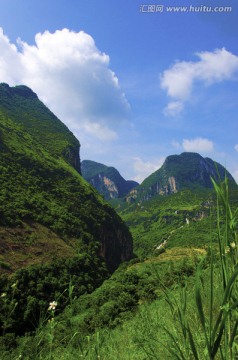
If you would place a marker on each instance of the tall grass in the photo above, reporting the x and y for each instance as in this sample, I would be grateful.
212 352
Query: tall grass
216 335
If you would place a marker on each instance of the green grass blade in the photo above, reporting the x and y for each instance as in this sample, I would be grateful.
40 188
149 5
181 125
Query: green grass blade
200 306
175 341
222 327
220 323
234 333
217 343
192 344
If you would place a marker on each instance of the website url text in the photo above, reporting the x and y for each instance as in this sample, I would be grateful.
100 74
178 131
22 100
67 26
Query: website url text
186 9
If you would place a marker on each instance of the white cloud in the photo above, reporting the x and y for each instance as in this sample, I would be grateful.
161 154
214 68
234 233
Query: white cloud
10 61
71 76
177 81
145 168
212 67
173 108
100 131
236 147
199 145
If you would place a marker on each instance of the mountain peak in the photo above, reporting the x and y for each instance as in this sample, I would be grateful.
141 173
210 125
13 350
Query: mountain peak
21 90
185 171
106 179
25 91
37 120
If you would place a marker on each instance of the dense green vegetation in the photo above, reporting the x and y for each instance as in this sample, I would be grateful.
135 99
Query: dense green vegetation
181 219
50 217
21 105
110 306
39 183
181 304
28 292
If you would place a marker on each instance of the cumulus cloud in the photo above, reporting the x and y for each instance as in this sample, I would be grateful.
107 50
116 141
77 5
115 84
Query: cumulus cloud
145 168
10 61
70 75
212 67
200 145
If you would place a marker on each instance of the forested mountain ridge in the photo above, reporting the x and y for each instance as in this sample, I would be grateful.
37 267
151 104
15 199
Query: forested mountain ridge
41 184
106 179
178 172
22 105
174 204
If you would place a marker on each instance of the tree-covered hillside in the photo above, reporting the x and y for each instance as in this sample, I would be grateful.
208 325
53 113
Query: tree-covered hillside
40 185
22 105
181 219
185 171
163 306
56 232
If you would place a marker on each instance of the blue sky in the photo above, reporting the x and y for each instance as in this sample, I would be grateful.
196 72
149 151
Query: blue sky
134 83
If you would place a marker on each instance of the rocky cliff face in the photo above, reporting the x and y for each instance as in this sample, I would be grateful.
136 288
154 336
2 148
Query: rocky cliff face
115 245
185 171
105 186
107 180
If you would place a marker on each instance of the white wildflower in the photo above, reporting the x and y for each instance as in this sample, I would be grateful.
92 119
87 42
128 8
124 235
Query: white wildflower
233 245
52 305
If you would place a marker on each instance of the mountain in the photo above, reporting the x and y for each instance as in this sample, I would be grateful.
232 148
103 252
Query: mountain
185 171
22 105
107 180
47 210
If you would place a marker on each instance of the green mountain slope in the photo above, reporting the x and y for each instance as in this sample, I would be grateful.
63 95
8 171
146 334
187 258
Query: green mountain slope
107 180
179 220
184 171
141 310
41 184
22 105
173 205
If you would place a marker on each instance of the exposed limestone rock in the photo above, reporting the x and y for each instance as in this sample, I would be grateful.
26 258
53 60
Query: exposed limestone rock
107 180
